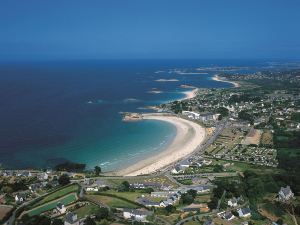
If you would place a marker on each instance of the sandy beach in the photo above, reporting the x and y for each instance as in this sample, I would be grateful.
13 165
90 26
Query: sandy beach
189 136
190 94
218 78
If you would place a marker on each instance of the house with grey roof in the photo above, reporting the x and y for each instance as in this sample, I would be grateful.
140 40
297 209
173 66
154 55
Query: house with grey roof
285 194
228 216
208 222
148 203
244 212
71 219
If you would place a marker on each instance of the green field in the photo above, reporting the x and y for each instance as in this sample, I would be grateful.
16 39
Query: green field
191 222
86 210
113 202
202 198
132 196
57 194
52 205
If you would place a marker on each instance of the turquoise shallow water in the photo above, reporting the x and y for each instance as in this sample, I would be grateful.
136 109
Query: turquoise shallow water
70 111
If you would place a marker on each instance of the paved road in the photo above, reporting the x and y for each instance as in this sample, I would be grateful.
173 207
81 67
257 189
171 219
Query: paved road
223 174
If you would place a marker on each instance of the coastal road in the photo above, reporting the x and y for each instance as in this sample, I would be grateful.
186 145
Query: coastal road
224 174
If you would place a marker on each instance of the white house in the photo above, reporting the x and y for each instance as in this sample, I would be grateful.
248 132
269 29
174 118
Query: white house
35 187
233 202
146 202
19 198
92 189
135 214
160 194
61 208
43 176
191 115
177 170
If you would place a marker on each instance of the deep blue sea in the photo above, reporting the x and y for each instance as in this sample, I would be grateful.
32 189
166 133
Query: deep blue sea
55 111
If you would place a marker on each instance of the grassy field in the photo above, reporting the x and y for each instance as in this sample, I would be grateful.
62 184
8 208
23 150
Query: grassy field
57 194
86 210
132 196
171 218
267 138
52 205
113 202
191 222
202 198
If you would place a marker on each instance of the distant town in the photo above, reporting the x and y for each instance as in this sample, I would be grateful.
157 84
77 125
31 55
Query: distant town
246 171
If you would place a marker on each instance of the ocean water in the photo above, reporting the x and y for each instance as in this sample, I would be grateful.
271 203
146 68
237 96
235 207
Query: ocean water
52 112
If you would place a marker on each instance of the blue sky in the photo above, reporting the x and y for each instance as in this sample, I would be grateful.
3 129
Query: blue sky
98 29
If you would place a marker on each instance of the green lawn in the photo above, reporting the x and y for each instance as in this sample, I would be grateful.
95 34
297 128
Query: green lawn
202 198
191 222
132 196
113 202
186 181
57 194
46 207
86 210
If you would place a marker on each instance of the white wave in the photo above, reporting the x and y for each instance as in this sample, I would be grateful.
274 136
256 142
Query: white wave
131 100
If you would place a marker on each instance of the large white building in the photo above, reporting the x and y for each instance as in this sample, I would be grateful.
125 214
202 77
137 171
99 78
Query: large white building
135 214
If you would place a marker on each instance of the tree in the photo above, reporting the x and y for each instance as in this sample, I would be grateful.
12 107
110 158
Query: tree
279 221
218 168
97 170
170 209
192 193
64 180
102 213
187 198
57 222
148 190
124 186
89 221
7 189
244 115
220 117
223 111
35 220
235 213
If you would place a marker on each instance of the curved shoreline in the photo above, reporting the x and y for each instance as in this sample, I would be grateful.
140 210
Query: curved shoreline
189 136
189 94
219 79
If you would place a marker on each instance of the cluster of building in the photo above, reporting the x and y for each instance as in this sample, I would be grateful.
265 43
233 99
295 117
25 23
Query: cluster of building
203 117
171 197
190 162
244 212
251 154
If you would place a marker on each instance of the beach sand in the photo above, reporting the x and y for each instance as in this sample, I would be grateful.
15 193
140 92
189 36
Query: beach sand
190 94
189 136
220 79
